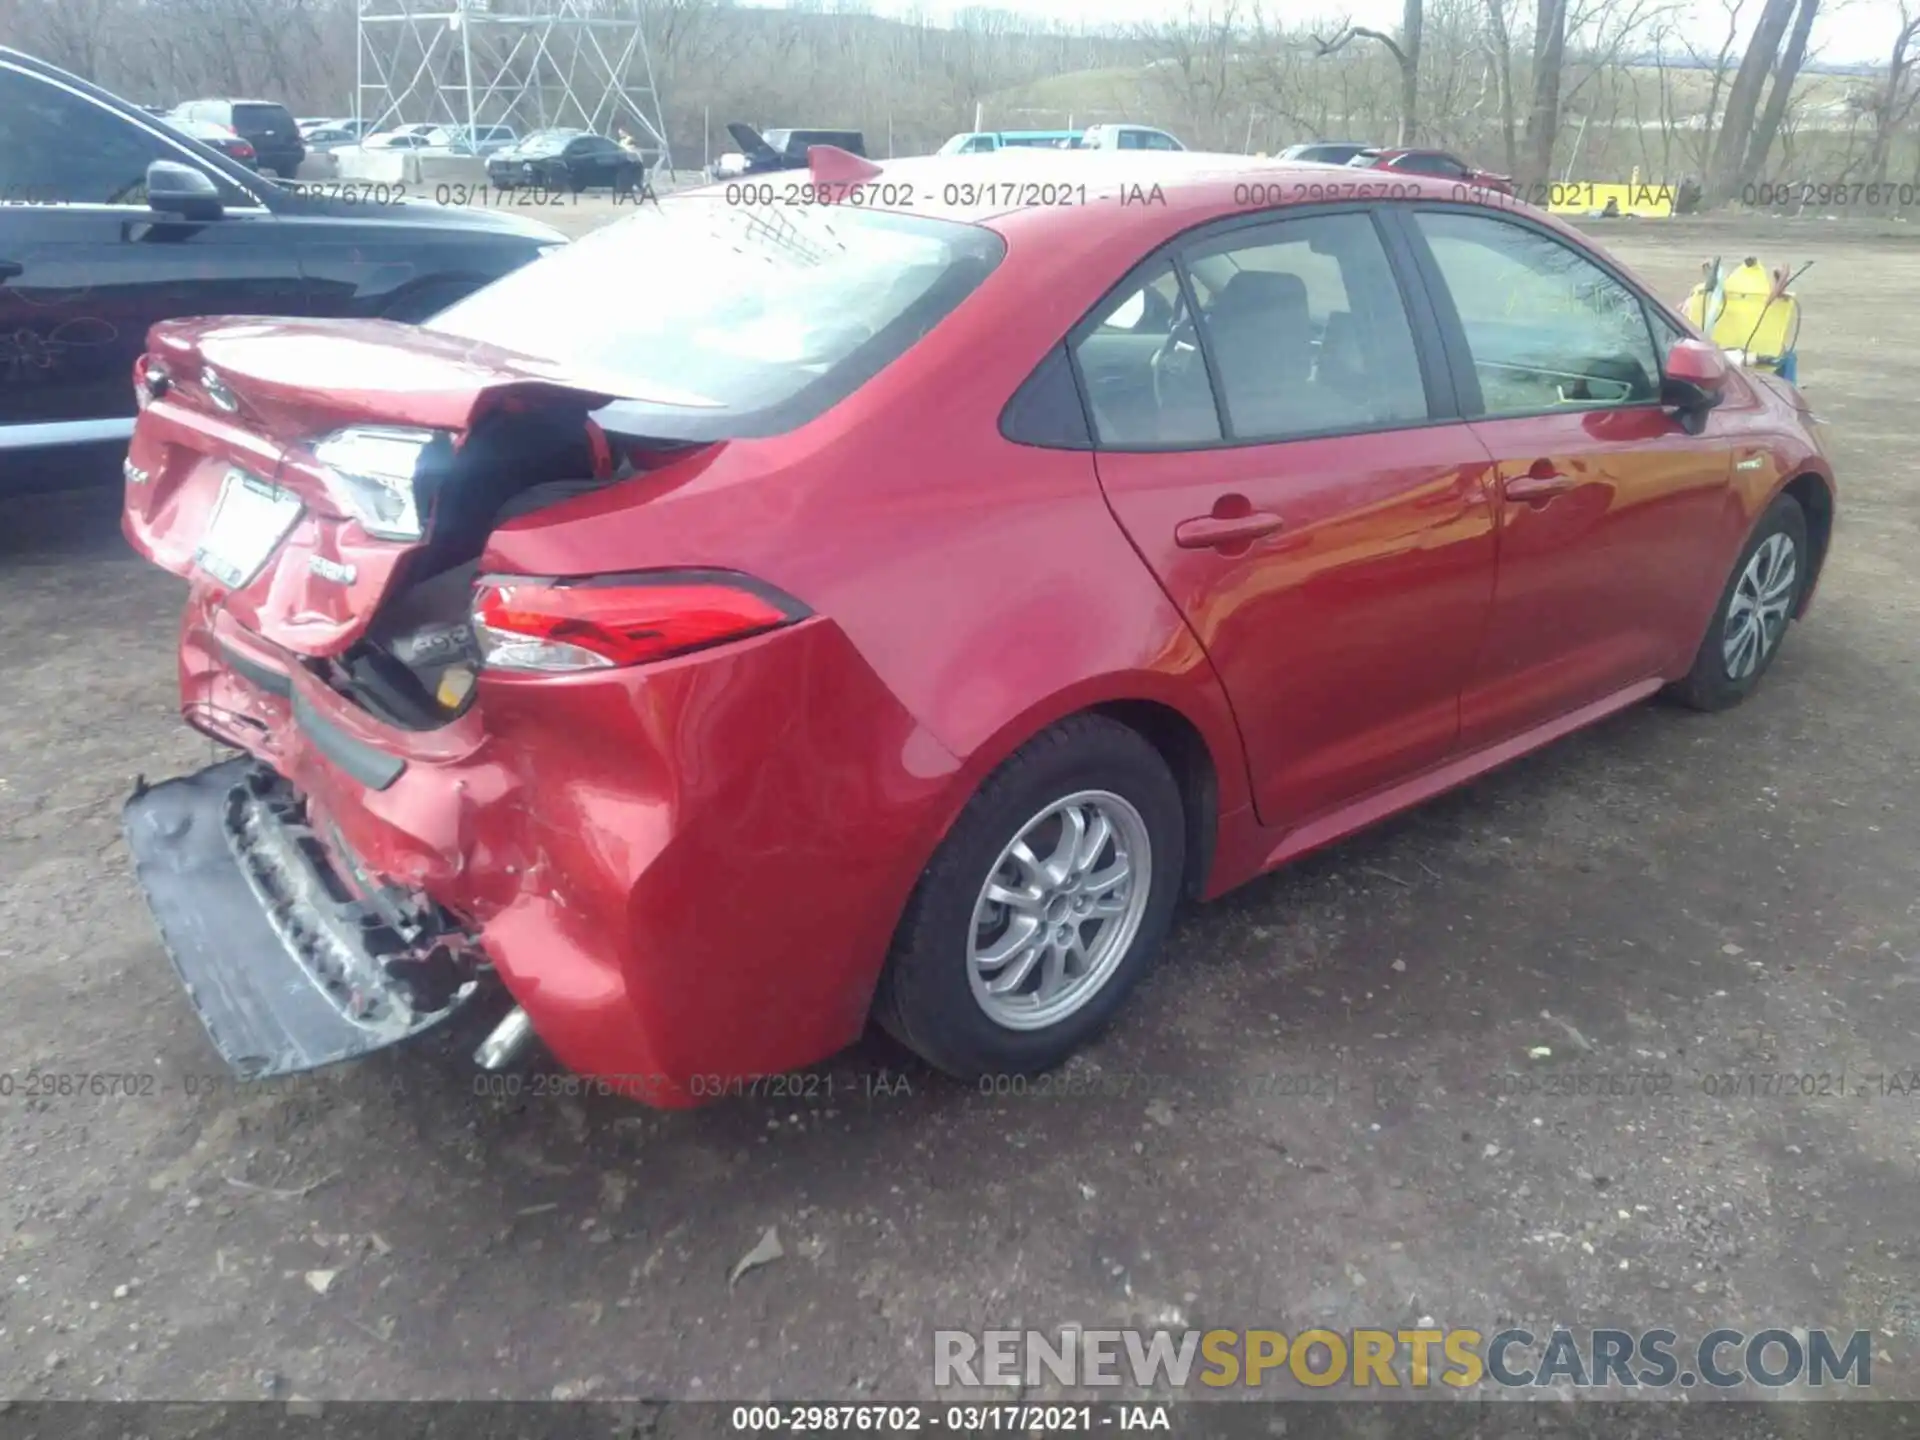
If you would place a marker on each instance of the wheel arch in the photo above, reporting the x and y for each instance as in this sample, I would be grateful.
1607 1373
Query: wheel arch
1195 771
1185 720
1813 492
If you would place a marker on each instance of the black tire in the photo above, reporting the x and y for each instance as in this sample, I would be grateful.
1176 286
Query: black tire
926 999
1710 684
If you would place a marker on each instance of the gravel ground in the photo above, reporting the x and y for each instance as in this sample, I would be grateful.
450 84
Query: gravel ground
1334 1118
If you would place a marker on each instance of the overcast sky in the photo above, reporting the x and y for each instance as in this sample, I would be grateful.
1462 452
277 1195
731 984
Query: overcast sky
1849 30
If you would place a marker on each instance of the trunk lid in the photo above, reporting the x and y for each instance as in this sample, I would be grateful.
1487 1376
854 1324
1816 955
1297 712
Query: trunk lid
752 143
224 486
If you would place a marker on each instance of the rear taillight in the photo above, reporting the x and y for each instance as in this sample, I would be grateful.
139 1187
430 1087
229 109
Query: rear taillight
551 626
372 471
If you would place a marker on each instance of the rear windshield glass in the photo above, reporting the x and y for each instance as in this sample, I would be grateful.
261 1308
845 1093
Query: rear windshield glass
263 117
715 320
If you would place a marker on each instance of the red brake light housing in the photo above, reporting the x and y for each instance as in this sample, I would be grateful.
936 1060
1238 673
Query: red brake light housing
560 626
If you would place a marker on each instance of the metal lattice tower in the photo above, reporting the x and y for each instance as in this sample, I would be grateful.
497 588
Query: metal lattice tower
528 63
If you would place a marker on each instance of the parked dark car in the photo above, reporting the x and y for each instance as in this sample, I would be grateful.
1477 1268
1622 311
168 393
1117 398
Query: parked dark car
267 126
786 148
111 220
569 160
234 147
1324 152
1403 160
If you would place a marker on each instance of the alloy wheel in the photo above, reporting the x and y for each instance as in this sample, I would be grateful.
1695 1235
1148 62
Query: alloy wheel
1059 909
1757 612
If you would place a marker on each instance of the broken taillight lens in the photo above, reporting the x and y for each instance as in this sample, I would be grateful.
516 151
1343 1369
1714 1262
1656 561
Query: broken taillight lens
549 626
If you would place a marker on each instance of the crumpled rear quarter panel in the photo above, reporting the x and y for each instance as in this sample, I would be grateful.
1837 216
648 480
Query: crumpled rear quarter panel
687 870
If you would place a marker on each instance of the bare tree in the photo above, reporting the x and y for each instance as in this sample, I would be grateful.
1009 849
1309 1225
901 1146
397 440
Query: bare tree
1501 37
1785 75
1743 100
1543 115
1897 95
1405 50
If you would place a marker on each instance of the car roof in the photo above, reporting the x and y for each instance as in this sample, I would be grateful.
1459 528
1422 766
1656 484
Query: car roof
1021 190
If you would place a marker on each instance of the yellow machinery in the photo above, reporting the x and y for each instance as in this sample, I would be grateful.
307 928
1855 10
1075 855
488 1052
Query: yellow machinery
1750 313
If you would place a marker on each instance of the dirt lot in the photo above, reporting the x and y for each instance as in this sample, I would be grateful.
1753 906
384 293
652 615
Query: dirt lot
1723 901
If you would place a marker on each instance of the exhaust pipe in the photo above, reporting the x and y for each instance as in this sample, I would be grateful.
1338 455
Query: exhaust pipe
503 1046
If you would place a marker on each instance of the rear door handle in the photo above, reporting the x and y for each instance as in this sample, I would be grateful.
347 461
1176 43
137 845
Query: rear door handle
1542 481
1204 532
9 269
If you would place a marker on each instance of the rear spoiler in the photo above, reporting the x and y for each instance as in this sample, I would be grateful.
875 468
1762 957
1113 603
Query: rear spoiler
835 171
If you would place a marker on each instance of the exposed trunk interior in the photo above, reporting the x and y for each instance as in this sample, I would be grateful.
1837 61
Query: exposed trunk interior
415 666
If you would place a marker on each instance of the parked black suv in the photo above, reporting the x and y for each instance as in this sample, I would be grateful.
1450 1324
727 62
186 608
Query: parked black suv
111 220
270 128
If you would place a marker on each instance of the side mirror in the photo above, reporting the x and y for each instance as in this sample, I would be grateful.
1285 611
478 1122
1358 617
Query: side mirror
182 190
1695 381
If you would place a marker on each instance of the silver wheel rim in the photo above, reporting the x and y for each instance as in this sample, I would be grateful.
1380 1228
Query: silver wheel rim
1757 613
1059 910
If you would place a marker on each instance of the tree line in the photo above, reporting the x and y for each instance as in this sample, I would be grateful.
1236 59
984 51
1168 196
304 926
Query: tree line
1535 88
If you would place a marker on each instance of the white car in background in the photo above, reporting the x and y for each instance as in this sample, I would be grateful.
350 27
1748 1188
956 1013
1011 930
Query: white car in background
401 137
484 140
1127 137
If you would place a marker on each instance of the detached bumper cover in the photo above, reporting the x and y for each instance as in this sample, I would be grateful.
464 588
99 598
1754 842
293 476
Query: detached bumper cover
291 965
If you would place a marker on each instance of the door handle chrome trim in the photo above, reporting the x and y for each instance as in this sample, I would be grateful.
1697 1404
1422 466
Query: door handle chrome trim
1205 532
1537 487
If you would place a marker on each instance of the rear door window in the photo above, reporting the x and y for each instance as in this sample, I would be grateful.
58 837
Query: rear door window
1141 368
1306 329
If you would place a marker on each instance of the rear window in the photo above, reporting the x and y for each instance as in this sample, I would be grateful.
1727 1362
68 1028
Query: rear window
772 314
249 119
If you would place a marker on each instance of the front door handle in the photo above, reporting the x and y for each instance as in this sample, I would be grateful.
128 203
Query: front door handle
1206 532
1542 481
10 269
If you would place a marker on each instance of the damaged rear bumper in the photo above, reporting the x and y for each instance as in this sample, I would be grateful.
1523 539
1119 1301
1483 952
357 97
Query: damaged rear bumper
292 959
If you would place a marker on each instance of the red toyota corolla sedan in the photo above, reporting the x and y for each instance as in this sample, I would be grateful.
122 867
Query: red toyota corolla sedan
762 616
